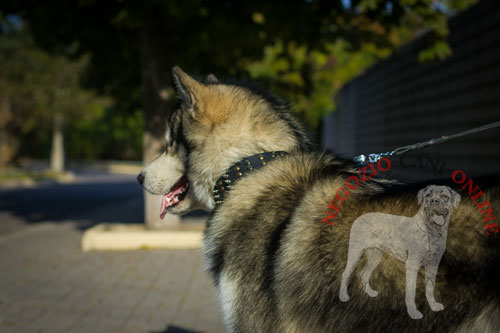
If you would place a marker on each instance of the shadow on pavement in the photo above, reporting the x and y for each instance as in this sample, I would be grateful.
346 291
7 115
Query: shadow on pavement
175 329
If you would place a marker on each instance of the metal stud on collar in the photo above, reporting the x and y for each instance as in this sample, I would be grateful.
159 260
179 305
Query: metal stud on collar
238 170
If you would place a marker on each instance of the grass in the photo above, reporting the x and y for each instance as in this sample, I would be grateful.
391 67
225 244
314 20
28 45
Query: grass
10 175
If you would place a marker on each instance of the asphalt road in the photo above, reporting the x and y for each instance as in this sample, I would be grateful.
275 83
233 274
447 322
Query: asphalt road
92 198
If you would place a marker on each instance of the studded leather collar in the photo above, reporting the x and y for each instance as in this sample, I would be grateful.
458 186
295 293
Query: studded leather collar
238 170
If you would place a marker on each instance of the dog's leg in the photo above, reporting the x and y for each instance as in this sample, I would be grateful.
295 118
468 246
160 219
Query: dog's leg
374 256
353 256
430 281
412 268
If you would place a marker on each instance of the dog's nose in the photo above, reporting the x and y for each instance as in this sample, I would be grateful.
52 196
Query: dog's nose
140 178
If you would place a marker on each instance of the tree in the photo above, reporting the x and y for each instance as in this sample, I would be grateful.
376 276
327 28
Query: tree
134 44
368 31
39 92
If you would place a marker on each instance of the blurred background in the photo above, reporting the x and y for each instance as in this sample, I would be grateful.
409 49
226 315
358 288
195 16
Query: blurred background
86 88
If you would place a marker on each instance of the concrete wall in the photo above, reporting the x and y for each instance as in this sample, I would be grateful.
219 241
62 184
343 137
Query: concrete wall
401 101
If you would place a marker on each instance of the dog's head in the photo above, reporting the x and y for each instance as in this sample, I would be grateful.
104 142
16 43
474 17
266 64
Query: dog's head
437 202
223 123
167 174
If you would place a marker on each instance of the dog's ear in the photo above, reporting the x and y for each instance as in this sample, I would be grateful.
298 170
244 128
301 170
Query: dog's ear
187 88
421 193
212 79
455 198
169 136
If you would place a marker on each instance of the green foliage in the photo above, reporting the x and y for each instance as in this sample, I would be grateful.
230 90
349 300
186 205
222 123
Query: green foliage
106 134
311 78
312 75
36 86
440 50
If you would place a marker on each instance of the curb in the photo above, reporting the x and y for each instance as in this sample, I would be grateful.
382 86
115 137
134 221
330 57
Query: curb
105 237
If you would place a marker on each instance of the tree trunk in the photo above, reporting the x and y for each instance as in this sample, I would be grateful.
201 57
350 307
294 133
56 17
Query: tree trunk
9 143
57 152
158 103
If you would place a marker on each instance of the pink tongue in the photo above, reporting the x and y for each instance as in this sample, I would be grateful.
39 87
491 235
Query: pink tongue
169 200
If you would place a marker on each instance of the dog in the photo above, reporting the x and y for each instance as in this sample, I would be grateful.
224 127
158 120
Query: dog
418 241
276 267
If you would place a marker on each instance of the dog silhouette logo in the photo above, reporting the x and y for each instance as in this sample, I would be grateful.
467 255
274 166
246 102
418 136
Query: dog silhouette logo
417 241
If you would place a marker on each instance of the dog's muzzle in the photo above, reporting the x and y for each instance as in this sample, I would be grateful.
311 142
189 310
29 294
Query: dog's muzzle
437 213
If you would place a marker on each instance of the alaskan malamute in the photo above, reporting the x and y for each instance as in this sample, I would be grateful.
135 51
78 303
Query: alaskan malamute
276 265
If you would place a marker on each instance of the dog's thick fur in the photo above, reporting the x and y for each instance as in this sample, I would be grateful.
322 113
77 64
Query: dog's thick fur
278 268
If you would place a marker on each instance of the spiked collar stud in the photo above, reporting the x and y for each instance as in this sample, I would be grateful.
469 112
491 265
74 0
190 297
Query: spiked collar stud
226 182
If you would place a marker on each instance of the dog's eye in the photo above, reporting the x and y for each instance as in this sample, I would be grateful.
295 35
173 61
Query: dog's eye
445 197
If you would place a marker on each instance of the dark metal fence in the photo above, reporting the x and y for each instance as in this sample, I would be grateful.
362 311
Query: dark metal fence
401 101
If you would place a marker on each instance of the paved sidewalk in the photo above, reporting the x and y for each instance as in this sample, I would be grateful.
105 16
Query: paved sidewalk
47 284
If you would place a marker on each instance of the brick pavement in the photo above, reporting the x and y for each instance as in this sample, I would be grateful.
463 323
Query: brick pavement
48 285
